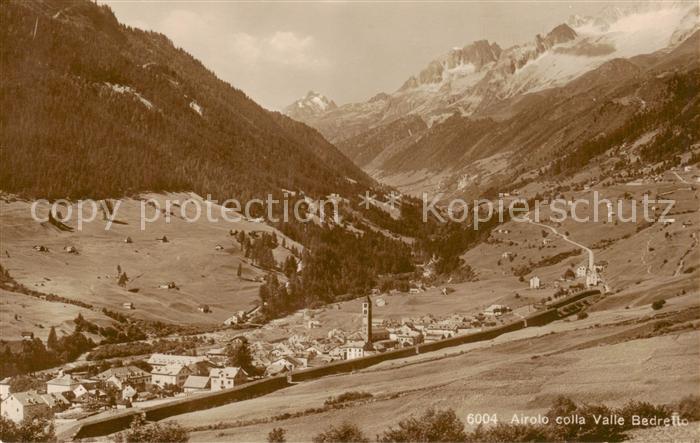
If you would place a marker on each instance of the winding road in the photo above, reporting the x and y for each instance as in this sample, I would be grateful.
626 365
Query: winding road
591 258
680 178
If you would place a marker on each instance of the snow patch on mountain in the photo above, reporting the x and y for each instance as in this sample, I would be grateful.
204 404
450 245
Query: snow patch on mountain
196 108
122 89
640 32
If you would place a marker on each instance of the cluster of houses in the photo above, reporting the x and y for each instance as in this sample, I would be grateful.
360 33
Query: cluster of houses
69 394
376 336
62 393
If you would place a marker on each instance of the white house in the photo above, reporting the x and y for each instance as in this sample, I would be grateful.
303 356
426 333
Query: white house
79 391
170 375
4 388
238 317
228 377
581 271
197 383
129 393
535 282
23 405
353 350
62 383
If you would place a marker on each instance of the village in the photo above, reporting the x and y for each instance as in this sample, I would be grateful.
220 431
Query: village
308 338
70 396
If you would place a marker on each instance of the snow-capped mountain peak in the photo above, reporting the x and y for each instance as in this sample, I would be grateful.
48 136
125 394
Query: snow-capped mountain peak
312 104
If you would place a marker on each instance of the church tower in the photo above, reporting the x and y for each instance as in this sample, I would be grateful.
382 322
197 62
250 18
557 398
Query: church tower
367 320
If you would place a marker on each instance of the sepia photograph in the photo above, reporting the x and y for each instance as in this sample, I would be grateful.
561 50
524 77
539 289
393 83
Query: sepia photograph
352 221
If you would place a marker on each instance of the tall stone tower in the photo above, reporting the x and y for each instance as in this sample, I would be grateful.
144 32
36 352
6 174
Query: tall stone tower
367 320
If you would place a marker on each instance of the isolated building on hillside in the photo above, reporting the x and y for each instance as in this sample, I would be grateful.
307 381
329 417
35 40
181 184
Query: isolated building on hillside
228 377
535 283
238 317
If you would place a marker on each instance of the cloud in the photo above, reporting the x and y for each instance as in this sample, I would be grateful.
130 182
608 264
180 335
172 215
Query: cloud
205 34
281 48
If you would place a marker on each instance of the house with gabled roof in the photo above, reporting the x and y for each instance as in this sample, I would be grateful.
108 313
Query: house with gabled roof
62 383
23 405
170 375
285 364
228 377
197 383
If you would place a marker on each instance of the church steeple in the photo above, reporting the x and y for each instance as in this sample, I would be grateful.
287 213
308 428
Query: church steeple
367 320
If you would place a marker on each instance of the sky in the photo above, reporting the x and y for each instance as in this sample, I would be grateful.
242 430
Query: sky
349 51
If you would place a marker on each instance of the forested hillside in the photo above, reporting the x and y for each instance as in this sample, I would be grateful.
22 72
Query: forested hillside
92 108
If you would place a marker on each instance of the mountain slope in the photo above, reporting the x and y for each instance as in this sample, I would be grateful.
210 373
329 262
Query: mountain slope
95 108
365 147
527 133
